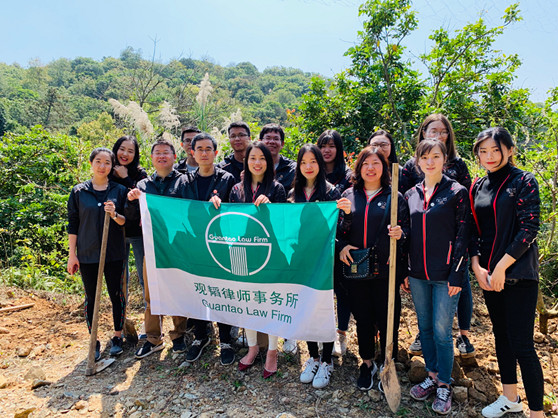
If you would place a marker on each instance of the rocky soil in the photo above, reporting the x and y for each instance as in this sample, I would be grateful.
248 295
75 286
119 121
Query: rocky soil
43 352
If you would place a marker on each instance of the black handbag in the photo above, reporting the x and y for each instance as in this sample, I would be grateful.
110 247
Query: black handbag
365 264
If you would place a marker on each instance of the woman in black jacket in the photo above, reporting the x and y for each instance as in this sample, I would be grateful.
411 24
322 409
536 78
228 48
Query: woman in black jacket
258 187
366 226
87 205
505 206
310 185
127 172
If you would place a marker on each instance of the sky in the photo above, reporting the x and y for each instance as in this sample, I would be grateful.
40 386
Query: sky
312 35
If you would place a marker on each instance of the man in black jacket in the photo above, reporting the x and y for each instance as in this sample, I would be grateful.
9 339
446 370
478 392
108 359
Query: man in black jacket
166 181
273 136
239 138
187 164
209 183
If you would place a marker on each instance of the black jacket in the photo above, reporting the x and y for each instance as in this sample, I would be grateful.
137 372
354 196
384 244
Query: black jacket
341 182
285 172
220 185
276 193
182 166
131 227
85 219
516 210
455 169
364 221
440 233
173 185
331 193
232 166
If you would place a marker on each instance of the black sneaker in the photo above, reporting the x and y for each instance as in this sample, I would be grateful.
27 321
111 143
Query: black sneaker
98 351
464 346
149 348
116 348
196 349
227 354
366 379
178 345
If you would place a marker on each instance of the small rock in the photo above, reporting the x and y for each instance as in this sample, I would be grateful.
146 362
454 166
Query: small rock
23 351
551 328
136 414
417 372
184 365
374 395
190 396
460 394
492 367
400 367
10 294
35 373
37 383
186 414
23 413
140 402
3 382
80 405
4 330
477 396
538 337
285 415
468 383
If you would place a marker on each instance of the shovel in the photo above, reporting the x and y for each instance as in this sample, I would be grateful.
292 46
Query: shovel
92 366
388 376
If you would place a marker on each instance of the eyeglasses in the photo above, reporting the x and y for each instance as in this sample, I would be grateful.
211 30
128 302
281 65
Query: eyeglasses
162 154
204 151
434 134
272 138
239 136
383 145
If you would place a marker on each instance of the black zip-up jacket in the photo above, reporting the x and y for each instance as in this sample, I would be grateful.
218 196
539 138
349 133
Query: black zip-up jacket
361 227
341 182
455 169
220 185
182 166
131 227
514 194
440 232
285 172
173 185
331 193
85 219
276 193
232 166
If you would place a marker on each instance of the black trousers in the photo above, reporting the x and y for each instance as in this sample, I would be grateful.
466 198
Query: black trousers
512 312
369 302
200 330
114 276
327 349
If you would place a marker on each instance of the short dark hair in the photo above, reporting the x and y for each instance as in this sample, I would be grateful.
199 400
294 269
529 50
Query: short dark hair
339 165
273 127
188 129
269 174
427 145
357 179
500 135
201 137
163 142
98 150
239 124
392 157
450 142
133 167
300 181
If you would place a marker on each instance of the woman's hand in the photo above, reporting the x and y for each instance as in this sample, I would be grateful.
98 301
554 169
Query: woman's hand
344 204
73 264
110 208
120 171
216 200
395 232
134 194
498 279
261 199
345 255
480 273
405 285
453 290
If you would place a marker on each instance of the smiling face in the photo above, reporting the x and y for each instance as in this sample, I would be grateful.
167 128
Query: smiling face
383 143
257 163
239 139
187 141
436 130
432 163
126 153
101 165
309 166
272 141
371 172
163 158
491 157
329 151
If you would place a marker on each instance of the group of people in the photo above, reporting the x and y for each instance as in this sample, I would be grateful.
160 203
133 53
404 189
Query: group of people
446 227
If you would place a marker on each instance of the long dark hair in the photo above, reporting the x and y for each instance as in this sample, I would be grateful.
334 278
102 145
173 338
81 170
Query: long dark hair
358 181
500 135
339 166
392 157
269 173
300 181
133 167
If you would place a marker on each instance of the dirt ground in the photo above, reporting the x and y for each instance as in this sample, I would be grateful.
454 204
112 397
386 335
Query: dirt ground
47 345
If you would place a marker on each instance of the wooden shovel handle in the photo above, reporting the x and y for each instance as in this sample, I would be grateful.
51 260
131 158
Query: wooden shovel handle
392 262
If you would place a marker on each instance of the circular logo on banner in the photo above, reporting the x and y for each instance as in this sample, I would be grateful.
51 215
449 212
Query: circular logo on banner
238 243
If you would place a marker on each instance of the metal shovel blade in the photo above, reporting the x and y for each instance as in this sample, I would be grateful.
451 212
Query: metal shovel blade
390 385
99 366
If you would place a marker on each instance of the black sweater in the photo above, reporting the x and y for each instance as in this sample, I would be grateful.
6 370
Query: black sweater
276 193
341 181
285 172
220 185
132 227
506 208
455 169
232 166
440 231
331 193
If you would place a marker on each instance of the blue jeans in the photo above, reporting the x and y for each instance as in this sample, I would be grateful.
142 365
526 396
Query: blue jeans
139 253
435 311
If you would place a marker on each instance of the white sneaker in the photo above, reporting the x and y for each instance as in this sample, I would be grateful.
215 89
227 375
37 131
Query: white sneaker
290 347
340 345
310 369
321 380
502 406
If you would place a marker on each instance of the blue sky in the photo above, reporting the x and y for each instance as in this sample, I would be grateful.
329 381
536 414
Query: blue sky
308 34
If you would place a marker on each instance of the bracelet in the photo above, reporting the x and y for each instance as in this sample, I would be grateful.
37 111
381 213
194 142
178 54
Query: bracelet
115 216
